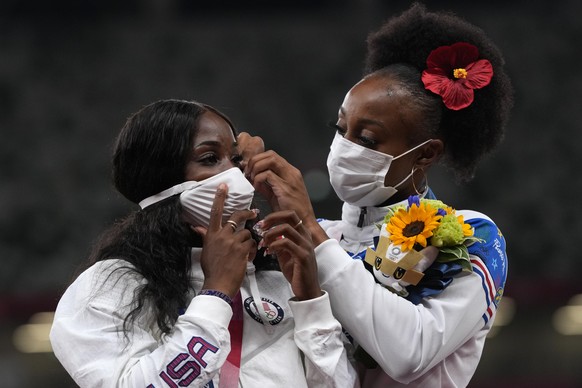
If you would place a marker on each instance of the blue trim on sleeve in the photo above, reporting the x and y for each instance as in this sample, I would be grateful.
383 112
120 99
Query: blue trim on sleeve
492 252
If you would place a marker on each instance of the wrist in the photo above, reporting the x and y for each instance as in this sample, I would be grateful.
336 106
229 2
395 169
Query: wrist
226 288
216 293
318 235
316 293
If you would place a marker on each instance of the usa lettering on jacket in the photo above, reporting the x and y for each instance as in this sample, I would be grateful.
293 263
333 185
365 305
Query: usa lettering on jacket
186 367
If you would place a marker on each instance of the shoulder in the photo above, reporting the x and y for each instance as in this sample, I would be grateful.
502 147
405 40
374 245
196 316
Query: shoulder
491 244
105 282
110 273
488 255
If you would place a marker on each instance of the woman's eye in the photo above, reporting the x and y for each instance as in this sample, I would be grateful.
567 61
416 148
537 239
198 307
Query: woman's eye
337 128
236 159
367 142
208 159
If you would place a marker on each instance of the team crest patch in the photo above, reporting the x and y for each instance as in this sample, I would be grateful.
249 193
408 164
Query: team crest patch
274 313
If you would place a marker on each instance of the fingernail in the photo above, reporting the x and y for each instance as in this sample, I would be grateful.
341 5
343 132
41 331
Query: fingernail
258 228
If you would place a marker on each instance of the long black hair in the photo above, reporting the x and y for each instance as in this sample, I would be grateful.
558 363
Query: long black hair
402 45
150 155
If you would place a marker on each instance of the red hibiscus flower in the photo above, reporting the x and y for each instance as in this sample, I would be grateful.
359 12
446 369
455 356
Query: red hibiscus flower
453 72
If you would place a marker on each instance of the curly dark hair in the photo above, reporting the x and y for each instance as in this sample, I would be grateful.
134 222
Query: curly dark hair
407 40
150 155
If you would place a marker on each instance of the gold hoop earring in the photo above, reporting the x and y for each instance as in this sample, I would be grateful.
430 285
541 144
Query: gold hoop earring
424 179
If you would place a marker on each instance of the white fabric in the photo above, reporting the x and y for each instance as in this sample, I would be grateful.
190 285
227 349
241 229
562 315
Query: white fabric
357 173
197 197
437 343
87 340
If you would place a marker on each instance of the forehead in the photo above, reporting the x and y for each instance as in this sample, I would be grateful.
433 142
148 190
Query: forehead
377 95
383 100
213 127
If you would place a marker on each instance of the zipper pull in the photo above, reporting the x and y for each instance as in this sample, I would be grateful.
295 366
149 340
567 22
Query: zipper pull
363 212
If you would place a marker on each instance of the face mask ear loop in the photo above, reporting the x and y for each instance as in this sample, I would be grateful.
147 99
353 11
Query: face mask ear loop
413 169
424 179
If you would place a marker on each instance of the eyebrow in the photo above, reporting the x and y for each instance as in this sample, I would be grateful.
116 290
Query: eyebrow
213 143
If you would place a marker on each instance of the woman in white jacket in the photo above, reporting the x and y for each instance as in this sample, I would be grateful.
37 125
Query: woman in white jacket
164 300
435 89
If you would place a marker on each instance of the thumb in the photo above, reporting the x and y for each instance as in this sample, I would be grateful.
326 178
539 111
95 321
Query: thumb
253 252
199 230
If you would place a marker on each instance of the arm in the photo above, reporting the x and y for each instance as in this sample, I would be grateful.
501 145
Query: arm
282 183
319 336
86 336
317 333
405 339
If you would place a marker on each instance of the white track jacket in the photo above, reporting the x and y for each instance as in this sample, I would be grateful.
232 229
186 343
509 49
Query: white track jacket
302 347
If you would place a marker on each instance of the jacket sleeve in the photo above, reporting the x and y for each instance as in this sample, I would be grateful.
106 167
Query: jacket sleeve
319 336
88 340
405 339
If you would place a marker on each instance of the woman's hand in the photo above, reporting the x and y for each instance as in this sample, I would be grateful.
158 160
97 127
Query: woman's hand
226 248
249 146
290 241
282 184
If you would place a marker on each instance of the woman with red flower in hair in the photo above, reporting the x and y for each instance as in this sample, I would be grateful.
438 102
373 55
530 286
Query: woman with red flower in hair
435 90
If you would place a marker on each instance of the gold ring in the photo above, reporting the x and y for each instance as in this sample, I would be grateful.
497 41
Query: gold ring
233 224
299 223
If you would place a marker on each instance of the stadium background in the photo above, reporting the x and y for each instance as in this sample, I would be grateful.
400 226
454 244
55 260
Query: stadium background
71 72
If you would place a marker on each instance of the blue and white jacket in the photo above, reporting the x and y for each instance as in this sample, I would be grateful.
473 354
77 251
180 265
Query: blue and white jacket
435 337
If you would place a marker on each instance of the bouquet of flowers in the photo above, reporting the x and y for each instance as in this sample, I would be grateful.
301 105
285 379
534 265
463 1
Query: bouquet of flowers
406 230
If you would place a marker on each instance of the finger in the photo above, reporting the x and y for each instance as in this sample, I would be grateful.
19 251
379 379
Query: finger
217 208
261 162
278 165
252 251
270 184
239 217
245 251
199 230
250 145
243 235
283 217
283 232
287 245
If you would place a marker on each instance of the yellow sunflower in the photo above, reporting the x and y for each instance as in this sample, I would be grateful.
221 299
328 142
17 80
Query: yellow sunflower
467 229
412 226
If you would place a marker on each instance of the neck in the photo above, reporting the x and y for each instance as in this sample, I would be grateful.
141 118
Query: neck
398 197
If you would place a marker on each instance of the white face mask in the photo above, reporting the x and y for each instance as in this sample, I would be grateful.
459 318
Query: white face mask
197 197
357 173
